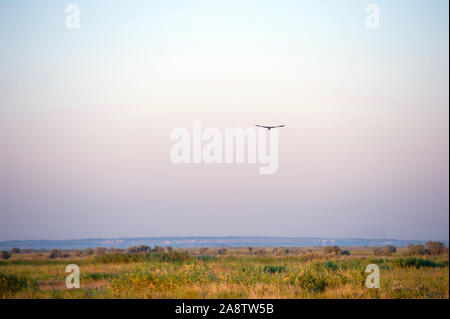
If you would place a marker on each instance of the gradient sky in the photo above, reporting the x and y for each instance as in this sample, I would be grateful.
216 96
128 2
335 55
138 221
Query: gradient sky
85 118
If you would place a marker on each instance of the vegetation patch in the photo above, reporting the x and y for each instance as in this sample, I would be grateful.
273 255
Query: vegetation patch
207 258
98 276
11 283
274 269
312 281
419 263
327 265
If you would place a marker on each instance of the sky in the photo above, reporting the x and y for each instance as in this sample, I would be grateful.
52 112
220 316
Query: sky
86 115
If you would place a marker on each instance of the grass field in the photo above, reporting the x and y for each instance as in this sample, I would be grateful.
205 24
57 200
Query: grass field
226 273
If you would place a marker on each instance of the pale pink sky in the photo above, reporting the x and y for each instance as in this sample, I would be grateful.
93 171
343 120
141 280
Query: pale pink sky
85 118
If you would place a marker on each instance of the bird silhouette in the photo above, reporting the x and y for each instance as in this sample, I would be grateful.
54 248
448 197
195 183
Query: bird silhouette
269 127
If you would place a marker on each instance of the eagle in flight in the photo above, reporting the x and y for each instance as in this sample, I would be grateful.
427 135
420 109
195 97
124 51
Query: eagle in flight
269 127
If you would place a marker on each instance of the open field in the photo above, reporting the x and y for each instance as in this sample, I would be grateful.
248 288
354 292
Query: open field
226 273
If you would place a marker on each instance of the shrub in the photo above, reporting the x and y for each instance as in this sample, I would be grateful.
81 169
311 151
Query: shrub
15 251
377 251
328 265
274 269
145 249
384 251
346 253
55 253
133 249
419 263
417 250
175 256
88 251
140 283
222 251
312 282
332 250
158 249
100 251
10 283
435 247
5 254
389 250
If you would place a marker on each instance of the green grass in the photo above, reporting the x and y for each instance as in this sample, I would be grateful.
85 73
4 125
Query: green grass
11 283
238 273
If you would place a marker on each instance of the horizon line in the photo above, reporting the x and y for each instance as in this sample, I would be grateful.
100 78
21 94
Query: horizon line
225 236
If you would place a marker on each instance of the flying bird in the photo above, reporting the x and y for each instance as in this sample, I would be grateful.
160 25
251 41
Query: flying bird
269 127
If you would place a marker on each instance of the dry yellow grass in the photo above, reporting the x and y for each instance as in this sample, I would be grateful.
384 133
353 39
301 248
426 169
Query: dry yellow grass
238 273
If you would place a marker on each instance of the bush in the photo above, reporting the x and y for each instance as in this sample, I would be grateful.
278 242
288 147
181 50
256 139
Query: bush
312 282
417 250
346 253
335 250
100 251
222 251
377 251
144 249
10 283
435 247
384 251
89 251
328 265
5 254
15 251
175 256
419 263
133 249
389 250
274 269
55 253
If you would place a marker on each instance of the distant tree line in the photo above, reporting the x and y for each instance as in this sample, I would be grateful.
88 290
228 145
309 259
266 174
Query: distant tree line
433 248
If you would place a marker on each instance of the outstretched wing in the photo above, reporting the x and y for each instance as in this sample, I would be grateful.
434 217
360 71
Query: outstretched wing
269 127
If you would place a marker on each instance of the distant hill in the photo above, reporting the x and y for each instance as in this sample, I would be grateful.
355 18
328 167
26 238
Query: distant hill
185 242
